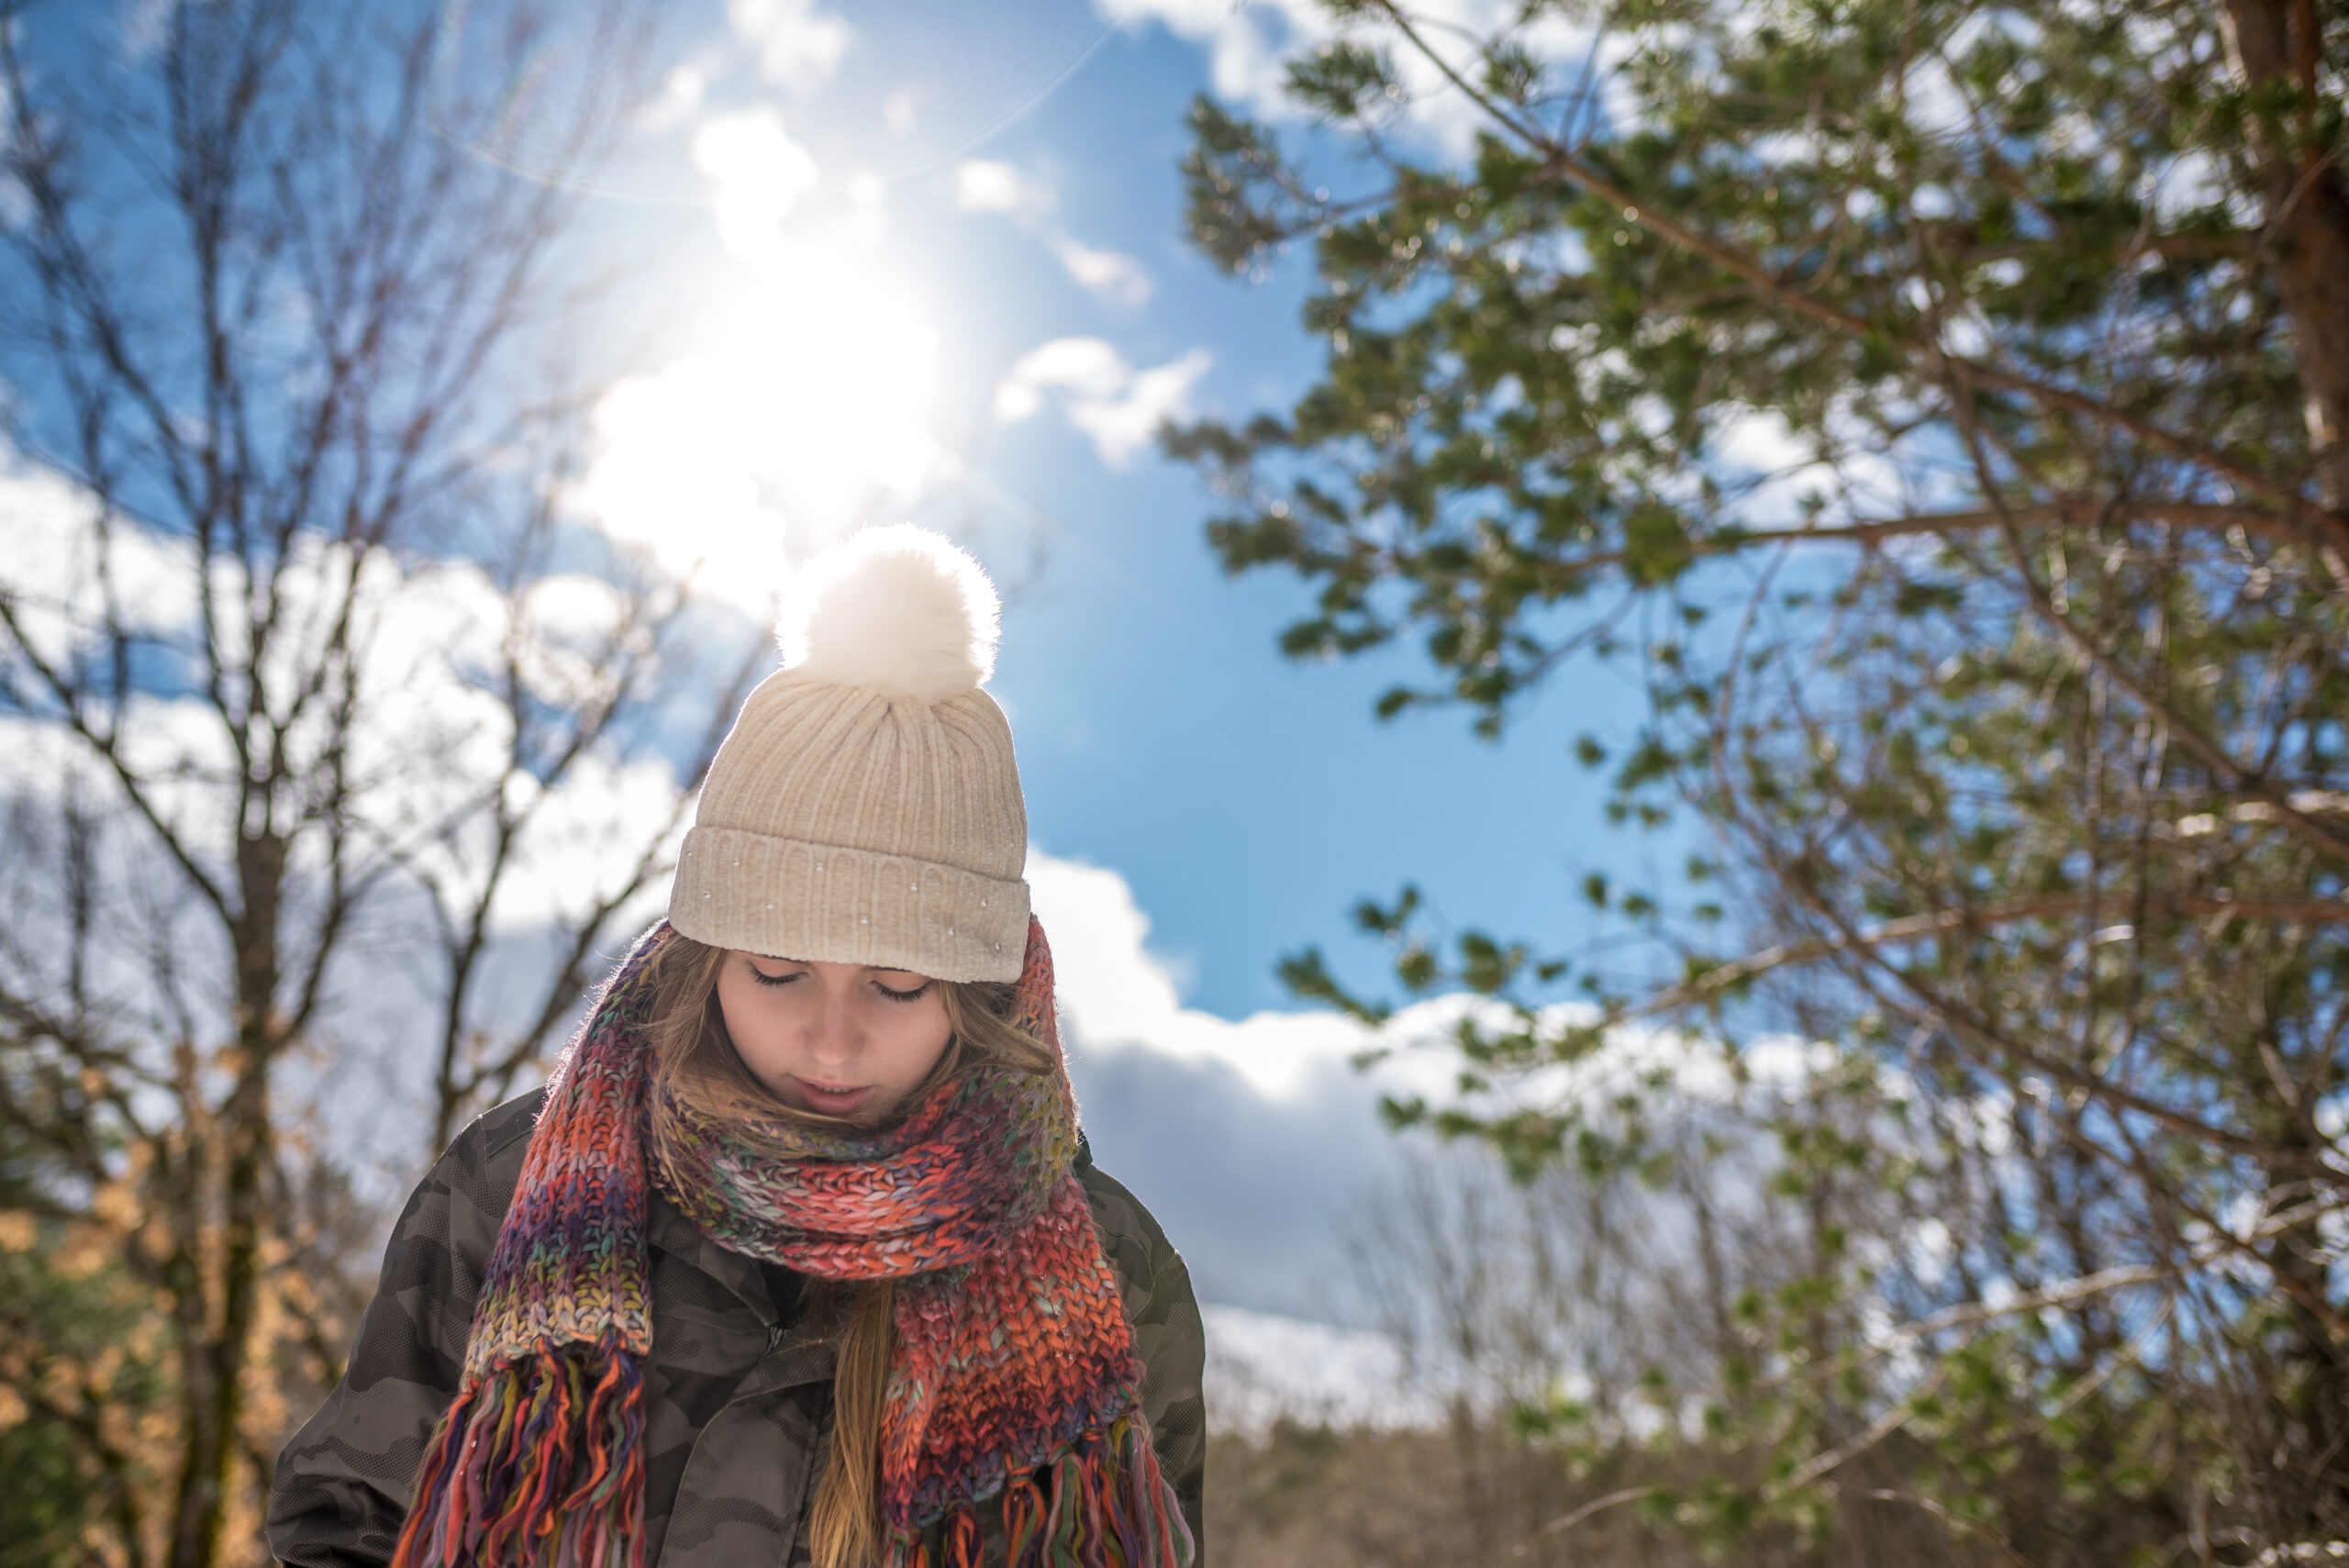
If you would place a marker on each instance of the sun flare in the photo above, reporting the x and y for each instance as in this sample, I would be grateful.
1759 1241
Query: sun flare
805 406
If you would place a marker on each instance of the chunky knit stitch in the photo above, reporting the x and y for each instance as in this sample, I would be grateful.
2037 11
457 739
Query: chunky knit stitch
1013 1382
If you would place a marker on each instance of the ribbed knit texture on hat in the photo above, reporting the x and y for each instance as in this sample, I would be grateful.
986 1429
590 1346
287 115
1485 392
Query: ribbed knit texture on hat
858 824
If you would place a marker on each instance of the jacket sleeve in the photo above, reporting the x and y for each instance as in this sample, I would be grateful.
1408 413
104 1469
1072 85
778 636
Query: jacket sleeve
1168 1337
342 1485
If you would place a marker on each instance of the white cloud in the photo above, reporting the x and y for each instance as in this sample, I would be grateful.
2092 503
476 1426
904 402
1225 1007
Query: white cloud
429 754
433 739
799 46
986 185
1760 441
146 27
53 553
1088 367
1248 48
757 174
584 841
982 185
1114 275
1121 426
1257 1142
1857 478
681 94
1116 994
1263 1367
1118 406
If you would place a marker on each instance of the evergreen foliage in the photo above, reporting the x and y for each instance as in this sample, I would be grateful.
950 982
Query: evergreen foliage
1942 406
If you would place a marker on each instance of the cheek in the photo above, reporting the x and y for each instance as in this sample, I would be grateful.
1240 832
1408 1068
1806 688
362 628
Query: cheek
914 1044
754 1029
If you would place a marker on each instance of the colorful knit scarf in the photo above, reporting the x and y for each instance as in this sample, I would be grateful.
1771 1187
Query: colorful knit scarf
1014 1375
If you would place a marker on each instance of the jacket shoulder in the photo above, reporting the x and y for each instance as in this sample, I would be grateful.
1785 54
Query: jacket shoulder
1136 1243
483 1163
1118 1212
1168 1337
502 1126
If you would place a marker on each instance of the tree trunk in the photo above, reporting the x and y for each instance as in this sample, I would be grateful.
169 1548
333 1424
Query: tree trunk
221 1361
2278 47
2314 1396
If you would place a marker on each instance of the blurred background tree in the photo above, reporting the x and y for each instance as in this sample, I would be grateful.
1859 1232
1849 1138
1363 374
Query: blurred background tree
298 677
1943 409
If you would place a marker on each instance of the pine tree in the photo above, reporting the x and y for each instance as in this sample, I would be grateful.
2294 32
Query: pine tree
1945 407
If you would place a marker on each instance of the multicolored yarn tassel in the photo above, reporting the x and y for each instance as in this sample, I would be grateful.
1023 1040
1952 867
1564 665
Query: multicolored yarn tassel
1105 1507
1014 1375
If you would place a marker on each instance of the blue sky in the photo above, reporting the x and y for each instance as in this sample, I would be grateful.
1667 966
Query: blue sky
1246 799
843 303
1232 805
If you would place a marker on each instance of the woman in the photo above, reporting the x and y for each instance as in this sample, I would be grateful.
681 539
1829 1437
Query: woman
800 1256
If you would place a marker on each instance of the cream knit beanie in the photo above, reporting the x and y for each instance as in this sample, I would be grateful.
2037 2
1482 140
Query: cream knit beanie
865 807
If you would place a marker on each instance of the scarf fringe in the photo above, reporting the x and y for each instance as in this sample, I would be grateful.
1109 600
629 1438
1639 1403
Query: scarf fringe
1108 1506
539 1464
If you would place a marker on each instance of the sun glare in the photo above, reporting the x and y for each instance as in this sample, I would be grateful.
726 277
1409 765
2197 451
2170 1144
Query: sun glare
805 404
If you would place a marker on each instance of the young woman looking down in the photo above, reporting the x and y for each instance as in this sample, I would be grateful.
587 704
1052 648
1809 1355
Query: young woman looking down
800 1257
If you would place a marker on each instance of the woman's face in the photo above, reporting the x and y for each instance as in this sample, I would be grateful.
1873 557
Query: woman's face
842 1040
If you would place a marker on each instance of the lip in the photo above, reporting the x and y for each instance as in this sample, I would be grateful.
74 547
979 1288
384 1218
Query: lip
826 1100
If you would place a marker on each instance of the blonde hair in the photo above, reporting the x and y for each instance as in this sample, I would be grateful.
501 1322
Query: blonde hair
699 1068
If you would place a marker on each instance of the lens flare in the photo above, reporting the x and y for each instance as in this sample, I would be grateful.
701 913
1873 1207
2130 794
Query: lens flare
806 407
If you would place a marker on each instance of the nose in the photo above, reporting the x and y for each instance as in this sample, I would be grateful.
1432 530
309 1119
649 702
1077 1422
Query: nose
834 1038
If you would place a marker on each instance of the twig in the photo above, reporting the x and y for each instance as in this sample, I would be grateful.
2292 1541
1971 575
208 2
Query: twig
1596 1506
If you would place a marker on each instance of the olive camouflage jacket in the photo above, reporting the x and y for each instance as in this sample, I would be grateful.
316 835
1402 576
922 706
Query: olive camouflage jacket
736 1397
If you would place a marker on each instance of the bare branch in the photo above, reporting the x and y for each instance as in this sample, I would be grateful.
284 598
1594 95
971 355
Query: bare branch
1715 981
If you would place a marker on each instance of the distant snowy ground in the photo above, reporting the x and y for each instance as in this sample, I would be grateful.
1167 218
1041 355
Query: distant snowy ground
1262 1366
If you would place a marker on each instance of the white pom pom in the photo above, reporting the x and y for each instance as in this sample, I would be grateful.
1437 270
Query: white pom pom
896 609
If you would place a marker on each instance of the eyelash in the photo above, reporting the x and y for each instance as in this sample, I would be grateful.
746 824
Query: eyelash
916 994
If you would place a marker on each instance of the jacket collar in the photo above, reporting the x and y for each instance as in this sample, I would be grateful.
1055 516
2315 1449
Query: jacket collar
667 1229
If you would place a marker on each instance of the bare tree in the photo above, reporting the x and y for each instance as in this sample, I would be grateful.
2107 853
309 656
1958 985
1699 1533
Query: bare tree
320 719
1591 1326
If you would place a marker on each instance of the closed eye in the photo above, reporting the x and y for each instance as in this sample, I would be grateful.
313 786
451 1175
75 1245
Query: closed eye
913 996
764 978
